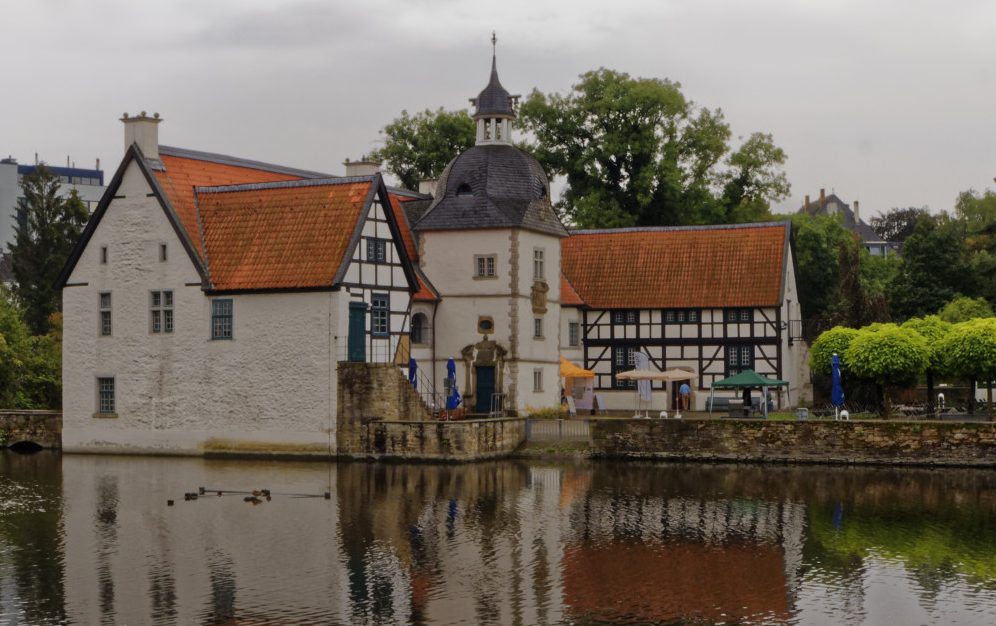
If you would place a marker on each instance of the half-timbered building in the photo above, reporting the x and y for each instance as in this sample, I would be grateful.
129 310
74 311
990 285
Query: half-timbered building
711 299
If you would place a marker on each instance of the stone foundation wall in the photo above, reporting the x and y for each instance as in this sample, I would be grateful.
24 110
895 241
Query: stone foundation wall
41 427
377 390
468 440
914 443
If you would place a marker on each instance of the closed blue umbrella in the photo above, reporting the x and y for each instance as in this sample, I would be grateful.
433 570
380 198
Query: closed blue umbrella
836 388
453 400
413 372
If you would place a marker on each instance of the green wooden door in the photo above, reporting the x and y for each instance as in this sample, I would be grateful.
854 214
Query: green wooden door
357 332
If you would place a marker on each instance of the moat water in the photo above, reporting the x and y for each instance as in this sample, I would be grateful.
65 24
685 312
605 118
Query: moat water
91 540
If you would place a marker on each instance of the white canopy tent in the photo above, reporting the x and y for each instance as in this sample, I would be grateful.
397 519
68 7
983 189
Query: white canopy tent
667 375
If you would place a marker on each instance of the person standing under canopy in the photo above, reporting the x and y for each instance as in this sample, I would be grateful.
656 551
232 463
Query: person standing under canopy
684 391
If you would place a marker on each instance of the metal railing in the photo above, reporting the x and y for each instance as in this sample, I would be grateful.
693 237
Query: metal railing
558 430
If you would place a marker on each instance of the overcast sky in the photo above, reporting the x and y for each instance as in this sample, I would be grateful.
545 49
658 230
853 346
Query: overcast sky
892 102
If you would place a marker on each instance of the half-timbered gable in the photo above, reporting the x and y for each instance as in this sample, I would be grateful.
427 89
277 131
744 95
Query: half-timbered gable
708 299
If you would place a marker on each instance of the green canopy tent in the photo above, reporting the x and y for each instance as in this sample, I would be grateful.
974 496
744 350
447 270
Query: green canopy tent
747 379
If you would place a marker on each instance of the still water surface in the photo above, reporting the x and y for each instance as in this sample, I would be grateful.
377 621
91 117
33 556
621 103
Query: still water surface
91 540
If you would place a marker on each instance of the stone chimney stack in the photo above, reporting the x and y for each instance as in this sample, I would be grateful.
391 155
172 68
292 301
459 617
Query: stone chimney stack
806 206
857 212
144 131
428 186
823 197
363 167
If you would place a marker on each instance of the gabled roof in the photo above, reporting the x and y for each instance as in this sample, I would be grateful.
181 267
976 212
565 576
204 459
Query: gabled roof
676 267
833 202
568 295
284 235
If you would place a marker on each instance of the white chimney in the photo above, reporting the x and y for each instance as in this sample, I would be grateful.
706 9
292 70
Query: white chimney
857 212
428 186
144 131
363 167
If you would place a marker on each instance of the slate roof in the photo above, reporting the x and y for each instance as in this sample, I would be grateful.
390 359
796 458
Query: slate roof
678 267
290 235
493 99
492 186
858 227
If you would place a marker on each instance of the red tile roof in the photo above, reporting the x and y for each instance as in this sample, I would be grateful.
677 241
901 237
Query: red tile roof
426 292
709 266
568 296
182 174
282 236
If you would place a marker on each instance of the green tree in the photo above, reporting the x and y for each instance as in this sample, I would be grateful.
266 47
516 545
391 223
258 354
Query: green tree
934 330
418 147
830 342
30 366
897 224
887 355
977 209
969 352
934 268
963 308
854 302
816 243
42 243
636 152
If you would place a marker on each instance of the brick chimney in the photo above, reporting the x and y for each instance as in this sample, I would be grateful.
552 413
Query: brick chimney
823 197
144 131
806 206
362 167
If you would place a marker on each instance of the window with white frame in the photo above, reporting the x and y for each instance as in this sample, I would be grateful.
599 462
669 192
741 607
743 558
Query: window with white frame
538 273
105 313
573 334
380 314
484 266
740 315
221 318
538 328
105 394
376 250
623 359
538 379
739 358
161 311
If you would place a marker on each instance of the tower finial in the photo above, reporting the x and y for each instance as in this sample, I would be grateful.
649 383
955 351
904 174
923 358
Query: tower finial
494 42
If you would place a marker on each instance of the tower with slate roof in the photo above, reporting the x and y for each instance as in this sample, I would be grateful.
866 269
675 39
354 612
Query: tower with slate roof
490 244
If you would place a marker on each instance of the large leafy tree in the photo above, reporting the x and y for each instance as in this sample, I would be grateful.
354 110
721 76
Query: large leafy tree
934 330
963 309
418 147
969 351
887 355
636 152
43 240
897 224
934 268
30 365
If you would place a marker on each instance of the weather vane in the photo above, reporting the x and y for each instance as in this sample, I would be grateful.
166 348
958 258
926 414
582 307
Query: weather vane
494 42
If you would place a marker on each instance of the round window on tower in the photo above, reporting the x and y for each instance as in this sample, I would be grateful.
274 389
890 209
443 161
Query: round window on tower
485 325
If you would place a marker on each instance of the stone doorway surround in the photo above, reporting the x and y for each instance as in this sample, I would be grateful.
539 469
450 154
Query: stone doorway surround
486 352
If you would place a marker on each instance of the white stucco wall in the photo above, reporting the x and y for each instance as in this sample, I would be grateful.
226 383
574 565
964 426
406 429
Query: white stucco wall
271 386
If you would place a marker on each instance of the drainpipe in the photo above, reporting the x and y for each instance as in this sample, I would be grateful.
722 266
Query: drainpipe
435 307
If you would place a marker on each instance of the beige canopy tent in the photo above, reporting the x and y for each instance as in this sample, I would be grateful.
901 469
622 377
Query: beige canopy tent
652 375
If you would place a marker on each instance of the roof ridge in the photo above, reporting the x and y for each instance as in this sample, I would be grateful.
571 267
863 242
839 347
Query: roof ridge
225 159
284 184
664 229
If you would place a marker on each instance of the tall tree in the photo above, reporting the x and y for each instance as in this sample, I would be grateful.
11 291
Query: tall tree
418 147
934 268
816 243
934 330
887 355
43 240
969 351
636 152
897 224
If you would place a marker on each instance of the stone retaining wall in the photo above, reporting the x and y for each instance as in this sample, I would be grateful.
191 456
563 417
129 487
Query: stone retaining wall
378 390
40 427
468 440
879 442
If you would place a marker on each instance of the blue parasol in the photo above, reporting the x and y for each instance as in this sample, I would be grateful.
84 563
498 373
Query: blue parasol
836 389
413 373
453 400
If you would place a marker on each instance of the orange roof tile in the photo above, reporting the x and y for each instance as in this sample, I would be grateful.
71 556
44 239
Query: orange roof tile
279 237
406 230
706 266
182 174
568 296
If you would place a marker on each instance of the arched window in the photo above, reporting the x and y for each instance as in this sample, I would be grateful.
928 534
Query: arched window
420 329
464 190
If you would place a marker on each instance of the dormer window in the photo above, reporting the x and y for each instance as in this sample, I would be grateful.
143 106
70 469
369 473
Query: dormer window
464 190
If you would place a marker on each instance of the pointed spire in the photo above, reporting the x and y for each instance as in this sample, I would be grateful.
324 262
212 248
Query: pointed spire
494 99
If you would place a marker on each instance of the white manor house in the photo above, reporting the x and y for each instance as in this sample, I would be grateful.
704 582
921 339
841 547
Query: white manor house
211 299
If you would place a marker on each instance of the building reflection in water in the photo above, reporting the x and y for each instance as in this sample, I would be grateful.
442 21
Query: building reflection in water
92 541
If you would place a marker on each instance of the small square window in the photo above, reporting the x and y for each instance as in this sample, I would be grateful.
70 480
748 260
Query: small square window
669 317
105 395
681 317
745 315
631 317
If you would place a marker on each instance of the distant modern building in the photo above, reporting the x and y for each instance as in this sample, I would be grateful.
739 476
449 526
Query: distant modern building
89 184
833 205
